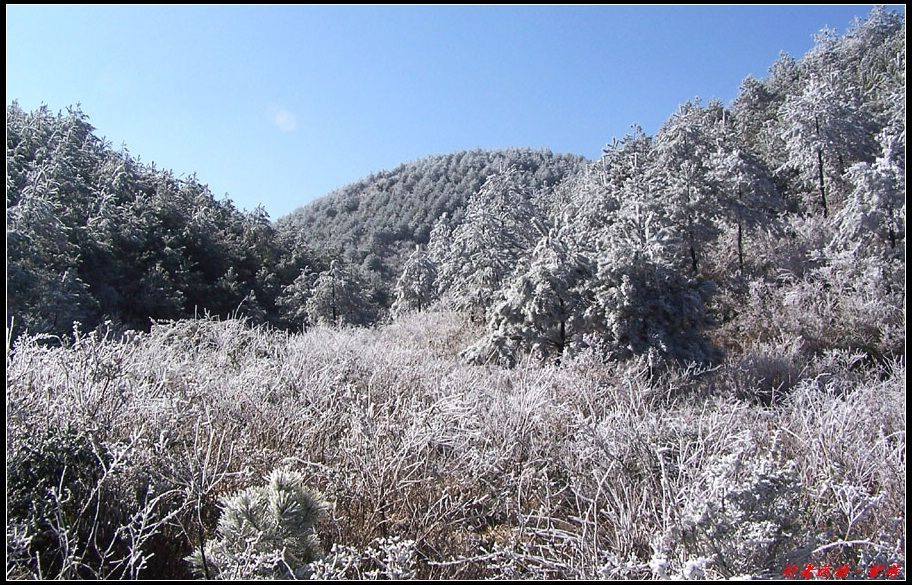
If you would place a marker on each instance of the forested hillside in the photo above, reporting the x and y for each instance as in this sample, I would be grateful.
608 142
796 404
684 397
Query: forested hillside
800 179
378 220
95 235
683 360
781 215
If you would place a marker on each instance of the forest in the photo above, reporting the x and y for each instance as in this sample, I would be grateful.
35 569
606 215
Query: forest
685 359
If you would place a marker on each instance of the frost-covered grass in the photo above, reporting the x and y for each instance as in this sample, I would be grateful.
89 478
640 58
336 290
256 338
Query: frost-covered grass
433 468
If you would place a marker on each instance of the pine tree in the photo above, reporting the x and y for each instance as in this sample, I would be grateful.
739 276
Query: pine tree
543 309
641 299
683 148
264 532
416 287
501 225
295 296
746 193
753 115
873 218
825 129
45 292
338 297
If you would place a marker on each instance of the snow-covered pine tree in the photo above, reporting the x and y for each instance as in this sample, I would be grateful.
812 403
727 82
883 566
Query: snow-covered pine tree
501 226
44 290
784 75
596 191
295 296
642 300
416 287
264 531
874 52
753 116
746 192
338 297
874 217
543 309
826 130
441 250
683 147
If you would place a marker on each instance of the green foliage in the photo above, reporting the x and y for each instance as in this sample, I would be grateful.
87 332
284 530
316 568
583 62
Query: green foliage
264 531
51 478
95 235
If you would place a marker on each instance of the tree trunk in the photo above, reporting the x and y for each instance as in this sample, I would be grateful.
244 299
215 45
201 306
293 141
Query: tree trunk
740 249
335 322
563 331
823 200
693 257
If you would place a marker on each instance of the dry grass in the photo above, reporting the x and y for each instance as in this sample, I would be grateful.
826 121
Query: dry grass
438 469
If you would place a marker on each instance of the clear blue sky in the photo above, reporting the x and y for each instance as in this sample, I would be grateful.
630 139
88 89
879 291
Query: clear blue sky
279 105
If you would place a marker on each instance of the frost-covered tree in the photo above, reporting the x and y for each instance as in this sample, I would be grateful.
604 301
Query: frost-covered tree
874 216
641 299
747 195
123 241
825 129
388 213
690 196
441 239
295 296
264 532
501 225
416 287
784 75
543 309
624 158
871 58
597 191
754 119
338 297
44 290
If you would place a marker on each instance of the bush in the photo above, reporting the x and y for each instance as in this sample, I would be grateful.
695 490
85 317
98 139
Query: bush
51 478
388 558
264 532
741 519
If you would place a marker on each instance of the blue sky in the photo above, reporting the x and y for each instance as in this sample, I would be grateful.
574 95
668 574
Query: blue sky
278 105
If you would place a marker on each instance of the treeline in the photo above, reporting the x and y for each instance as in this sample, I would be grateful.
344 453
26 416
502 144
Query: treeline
95 235
376 222
780 216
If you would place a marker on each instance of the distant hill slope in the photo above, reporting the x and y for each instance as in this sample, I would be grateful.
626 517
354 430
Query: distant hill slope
376 220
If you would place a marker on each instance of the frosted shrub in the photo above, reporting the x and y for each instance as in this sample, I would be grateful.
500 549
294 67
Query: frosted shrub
766 372
385 558
555 465
79 509
51 477
18 557
264 532
741 518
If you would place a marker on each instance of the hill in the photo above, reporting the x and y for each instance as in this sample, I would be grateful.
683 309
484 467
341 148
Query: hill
375 221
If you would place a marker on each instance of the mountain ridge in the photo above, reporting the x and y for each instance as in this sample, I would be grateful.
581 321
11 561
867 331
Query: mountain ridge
375 220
